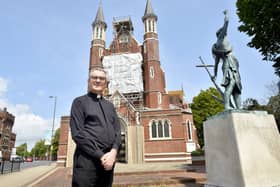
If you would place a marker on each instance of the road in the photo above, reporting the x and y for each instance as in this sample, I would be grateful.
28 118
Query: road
35 163
8 167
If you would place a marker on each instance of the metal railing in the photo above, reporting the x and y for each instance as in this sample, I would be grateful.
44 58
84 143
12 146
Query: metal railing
9 166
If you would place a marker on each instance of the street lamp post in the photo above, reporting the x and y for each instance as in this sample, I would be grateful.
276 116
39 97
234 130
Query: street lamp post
52 97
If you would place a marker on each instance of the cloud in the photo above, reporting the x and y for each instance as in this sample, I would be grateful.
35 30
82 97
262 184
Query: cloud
3 86
40 92
28 126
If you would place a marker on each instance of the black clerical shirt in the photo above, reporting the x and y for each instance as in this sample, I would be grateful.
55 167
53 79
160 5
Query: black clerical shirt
94 125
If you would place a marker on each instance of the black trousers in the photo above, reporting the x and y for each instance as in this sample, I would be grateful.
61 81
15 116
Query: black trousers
89 172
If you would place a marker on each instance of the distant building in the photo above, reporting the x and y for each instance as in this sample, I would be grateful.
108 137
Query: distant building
7 137
156 125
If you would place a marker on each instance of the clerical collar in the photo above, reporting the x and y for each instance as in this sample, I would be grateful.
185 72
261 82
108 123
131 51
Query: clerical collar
95 96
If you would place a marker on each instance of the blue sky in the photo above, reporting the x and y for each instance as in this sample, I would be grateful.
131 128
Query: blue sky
45 47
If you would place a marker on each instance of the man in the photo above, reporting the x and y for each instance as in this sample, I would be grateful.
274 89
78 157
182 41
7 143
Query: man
95 129
222 50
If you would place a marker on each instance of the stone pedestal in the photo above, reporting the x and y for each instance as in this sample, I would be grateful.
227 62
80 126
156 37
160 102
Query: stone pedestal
135 144
242 149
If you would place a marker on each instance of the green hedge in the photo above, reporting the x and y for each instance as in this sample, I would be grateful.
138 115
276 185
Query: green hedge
198 152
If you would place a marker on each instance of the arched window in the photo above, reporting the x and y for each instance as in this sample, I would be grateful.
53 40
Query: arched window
189 128
97 32
145 27
155 26
159 98
166 128
101 31
100 52
154 130
160 129
152 72
145 50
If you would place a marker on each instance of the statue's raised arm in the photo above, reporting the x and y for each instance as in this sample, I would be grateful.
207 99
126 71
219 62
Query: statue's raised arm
222 32
222 45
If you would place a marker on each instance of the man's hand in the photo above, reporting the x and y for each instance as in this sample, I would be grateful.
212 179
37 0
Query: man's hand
109 159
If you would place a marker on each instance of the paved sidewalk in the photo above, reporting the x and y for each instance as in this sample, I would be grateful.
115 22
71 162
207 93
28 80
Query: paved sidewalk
135 175
25 176
126 175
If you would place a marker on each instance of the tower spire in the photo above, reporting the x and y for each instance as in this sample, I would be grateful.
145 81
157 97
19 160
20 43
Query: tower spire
154 84
98 38
149 12
149 19
99 19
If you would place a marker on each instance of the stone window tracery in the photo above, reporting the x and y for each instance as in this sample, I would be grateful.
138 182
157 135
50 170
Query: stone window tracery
160 129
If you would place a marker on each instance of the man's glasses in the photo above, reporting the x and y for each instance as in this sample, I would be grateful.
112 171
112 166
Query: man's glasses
95 78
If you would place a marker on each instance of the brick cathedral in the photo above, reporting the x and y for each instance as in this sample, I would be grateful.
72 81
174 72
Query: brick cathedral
156 124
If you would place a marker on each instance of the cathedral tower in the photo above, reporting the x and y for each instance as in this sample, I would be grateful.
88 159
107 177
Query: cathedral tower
99 27
154 78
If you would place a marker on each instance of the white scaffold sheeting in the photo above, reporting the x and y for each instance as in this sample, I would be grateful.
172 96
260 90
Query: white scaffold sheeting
125 72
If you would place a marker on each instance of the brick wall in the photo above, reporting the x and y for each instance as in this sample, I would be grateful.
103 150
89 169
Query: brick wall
63 140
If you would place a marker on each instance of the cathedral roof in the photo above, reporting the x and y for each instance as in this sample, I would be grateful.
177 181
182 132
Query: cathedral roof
179 93
149 12
99 19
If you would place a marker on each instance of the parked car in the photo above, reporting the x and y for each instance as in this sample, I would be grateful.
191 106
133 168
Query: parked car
16 158
29 159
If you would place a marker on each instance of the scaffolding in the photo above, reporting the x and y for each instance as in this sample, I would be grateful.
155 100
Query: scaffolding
124 73
122 24
135 99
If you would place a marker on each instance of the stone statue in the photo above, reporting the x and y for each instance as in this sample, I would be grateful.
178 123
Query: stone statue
222 51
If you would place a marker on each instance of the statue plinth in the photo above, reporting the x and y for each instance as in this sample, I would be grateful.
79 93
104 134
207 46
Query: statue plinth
242 149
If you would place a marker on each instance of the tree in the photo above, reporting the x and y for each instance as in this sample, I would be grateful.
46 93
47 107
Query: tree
277 68
55 142
260 19
253 104
274 108
204 106
40 149
21 150
273 88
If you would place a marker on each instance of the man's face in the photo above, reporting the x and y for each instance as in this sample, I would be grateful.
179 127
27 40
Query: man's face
97 81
